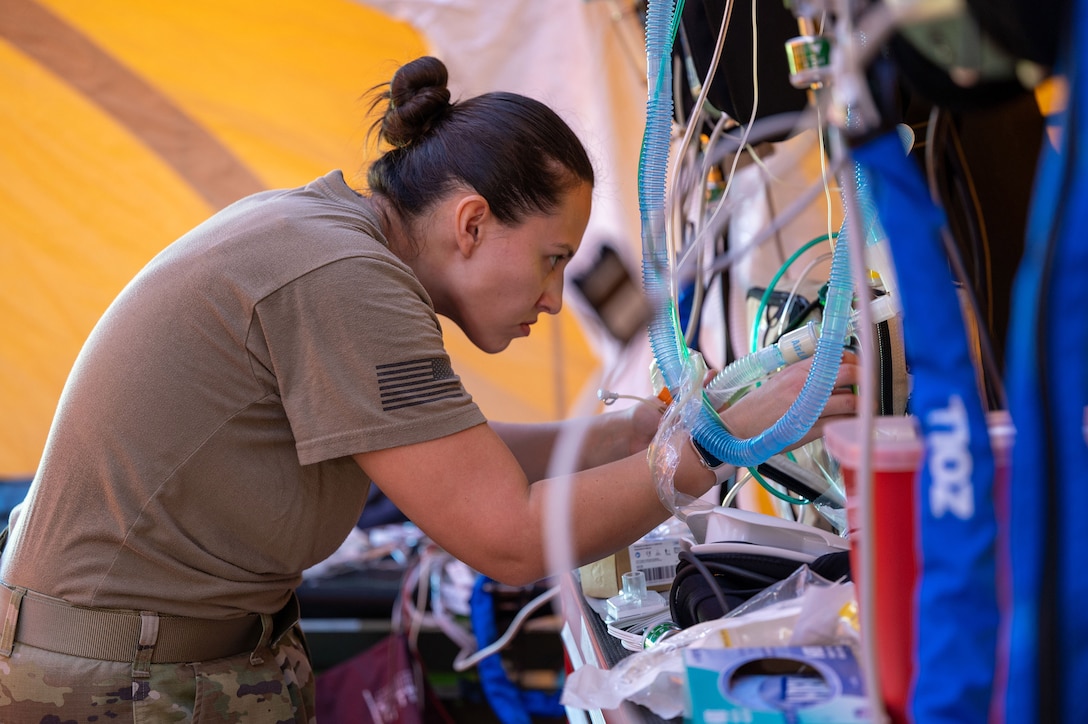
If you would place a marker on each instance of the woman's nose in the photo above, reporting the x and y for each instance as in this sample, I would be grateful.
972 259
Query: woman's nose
551 301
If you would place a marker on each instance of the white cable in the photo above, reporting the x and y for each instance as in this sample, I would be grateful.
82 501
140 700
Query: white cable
462 662
416 584
848 71
693 123
401 606
701 198
704 170
793 290
790 123
697 110
727 501
866 588
608 397
703 238
417 615
823 172
785 217
454 631
557 530
763 165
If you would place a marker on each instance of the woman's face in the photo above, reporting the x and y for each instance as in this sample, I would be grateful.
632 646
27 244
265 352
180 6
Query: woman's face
516 272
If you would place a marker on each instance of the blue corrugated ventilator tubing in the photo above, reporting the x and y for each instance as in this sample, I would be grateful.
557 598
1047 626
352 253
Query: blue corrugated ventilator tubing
666 340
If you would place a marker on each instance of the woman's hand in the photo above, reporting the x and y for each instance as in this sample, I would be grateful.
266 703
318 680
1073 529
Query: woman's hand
643 419
751 414
764 405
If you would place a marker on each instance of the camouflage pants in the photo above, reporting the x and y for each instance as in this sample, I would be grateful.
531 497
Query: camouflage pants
42 687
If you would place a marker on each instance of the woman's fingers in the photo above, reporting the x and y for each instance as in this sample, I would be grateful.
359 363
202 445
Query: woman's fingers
764 405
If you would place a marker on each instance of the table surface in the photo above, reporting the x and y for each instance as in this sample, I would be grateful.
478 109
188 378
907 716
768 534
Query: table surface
589 635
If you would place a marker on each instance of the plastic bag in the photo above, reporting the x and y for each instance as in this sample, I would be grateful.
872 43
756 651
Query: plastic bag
383 685
655 678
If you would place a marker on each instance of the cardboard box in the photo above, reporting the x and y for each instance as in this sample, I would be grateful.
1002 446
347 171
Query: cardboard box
656 558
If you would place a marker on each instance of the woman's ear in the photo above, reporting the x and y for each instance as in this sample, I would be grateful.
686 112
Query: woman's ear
470 214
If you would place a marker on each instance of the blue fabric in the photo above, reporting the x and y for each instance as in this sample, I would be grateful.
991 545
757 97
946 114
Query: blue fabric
957 615
511 704
1047 384
1027 506
12 492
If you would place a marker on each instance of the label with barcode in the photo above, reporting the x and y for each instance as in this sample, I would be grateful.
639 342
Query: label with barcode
656 559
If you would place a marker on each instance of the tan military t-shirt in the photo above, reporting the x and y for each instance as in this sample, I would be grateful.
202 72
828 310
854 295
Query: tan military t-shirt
200 459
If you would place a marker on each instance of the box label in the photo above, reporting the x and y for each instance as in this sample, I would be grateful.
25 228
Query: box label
656 559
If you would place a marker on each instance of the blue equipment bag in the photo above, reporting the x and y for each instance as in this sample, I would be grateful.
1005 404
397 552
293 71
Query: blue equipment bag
956 600
1046 626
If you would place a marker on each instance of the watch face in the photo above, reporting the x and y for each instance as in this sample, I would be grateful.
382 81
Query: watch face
706 456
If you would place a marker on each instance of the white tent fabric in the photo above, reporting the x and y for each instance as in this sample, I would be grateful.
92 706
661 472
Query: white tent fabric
586 60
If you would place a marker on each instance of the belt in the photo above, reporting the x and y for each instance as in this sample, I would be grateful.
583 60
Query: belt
120 635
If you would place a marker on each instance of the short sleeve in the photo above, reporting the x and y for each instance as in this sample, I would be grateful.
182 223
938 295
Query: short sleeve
355 352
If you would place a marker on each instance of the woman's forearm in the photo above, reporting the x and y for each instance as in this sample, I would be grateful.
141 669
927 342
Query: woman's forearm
546 448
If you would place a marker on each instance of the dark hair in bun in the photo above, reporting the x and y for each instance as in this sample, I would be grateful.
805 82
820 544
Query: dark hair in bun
417 99
513 150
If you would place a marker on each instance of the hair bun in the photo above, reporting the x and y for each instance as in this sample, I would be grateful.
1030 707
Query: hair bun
418 99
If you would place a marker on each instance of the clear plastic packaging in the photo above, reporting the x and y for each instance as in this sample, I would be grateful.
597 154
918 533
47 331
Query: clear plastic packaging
803 608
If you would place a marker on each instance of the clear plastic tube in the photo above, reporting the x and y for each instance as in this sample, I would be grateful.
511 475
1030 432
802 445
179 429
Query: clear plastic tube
838 324
804 412
670 351
792 347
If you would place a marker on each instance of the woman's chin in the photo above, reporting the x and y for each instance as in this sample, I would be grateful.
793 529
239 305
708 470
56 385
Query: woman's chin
491 344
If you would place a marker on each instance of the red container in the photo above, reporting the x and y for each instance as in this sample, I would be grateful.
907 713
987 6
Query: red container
897 453
1002 439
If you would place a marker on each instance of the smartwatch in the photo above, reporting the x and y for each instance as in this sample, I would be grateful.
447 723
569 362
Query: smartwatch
722 471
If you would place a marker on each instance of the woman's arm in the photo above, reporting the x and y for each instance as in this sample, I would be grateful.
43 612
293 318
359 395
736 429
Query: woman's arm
594 440
469 494
616 434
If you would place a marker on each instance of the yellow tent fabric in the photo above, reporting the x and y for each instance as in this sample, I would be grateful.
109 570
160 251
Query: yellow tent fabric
124 123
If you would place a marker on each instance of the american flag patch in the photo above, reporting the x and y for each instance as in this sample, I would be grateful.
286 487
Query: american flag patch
406 384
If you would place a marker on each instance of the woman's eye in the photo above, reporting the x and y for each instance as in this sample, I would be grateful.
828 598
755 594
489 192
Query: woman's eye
555 260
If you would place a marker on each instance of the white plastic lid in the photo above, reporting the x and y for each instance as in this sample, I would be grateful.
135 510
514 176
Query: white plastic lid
896 445
1002 431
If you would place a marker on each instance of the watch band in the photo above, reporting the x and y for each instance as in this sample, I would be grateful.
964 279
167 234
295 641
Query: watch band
722 471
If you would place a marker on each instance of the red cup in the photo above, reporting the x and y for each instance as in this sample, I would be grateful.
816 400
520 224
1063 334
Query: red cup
897 453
